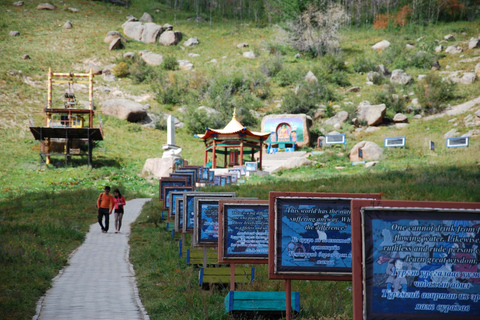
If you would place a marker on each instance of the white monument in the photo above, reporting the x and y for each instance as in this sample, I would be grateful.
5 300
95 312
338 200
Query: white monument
170 150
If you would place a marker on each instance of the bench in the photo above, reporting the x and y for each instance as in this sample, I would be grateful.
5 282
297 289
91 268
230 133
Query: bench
221 275
195 256
263 303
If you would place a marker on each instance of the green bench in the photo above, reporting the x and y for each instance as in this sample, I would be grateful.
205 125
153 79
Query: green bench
195 256
221 275
263 303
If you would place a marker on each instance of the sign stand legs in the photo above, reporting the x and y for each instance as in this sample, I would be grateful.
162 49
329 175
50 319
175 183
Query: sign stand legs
288 298
232 276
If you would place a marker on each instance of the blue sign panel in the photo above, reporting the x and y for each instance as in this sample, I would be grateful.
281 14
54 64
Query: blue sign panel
245 231
422 263
208 221
169 190
313 236
189 175
178 214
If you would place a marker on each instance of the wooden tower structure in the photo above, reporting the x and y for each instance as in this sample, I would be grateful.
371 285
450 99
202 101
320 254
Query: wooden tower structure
69 126
232 141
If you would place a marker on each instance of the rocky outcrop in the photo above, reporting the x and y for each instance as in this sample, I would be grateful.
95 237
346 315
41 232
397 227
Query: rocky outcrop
124 109
372 114
191 42
170 38
158 167
152 59
382 45
146 17
338 119
400 77
151 32
133 29
112 35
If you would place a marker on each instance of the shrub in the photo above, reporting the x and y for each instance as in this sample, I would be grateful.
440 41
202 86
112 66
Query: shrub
433 93
288 76
170 63
392 99
423 60
276 49
197 120
272 66
364 65
120 70
139 71
306 97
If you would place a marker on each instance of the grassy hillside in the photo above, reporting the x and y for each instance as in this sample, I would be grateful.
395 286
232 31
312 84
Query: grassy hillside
45 210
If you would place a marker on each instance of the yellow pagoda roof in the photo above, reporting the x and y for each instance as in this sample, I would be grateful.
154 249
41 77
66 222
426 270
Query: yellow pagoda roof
234 127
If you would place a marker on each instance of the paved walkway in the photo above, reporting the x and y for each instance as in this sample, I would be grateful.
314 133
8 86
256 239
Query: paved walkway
99 282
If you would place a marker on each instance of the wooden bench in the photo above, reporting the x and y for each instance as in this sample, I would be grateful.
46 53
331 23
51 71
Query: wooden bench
195 256
263 303
221 275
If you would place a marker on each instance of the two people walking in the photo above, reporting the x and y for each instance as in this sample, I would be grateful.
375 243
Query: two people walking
106 203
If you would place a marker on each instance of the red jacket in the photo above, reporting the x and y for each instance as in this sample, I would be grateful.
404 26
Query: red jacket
118 201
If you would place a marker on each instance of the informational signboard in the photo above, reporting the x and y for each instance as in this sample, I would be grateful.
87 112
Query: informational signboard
217 180
166 194
178 213
335 139
243 231
196 177
416 260
172 207
310 235
241 168
171 182
205 214
251 166
394 142
189 206
205 174
189 175
457 142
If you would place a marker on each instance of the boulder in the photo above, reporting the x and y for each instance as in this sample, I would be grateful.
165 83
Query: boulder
249 55
68 25
116 44
474 43
353 89
185 65
129 55
372 114
124 109
300 122
18 3
466 79
372 76
242 45
370 150
111 35
96 70
399 118
449 37
133 29
439 48
168 27
46 6
14 33
170 38
477 69
146 17
152 59
158 168
339 118
319 113
310 77
191 42
453 49
294 162
400 77
382 45
151 32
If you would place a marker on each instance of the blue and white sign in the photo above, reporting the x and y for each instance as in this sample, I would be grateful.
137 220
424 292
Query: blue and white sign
394 142
335 139
457 142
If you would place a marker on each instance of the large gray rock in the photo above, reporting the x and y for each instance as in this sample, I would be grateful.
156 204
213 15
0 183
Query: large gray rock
170 38
338 119
116 44
449 37
124 109
96 70
158 167
466 79
438 48
477 69
370 150
294 162
112 35
303 137
152 59
249 55
46 6
146 17
191 42
400 118
400 77
133 29
185 65
474 43
151 32
453 49
68 25
310 77
382 45
14 33
372 114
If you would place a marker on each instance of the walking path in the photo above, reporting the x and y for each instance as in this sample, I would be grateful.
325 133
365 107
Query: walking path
99 282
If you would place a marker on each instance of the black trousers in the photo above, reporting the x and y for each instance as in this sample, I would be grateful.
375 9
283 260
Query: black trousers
101 213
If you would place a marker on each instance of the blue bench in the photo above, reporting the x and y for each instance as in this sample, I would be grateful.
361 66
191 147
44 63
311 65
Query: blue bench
265 303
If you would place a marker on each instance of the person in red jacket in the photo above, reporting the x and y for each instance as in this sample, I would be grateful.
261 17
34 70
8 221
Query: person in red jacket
119 203
105 207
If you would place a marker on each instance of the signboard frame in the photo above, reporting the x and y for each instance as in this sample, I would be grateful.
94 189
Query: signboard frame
273 231
402 144
344 139
359 239
163 182
466 144
196 176
222 221
167 190
189 175
178 214
186 205
251 166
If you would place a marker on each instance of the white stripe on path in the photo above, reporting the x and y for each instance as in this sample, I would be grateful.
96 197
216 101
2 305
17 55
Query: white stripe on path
99 282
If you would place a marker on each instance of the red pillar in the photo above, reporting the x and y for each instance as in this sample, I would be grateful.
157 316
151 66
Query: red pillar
206 158
214 156
261 151
241 152
225 158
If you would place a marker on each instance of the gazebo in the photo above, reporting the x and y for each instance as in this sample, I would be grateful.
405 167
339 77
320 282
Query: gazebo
231 141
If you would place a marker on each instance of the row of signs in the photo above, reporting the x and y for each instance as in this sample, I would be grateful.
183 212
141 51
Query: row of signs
407 259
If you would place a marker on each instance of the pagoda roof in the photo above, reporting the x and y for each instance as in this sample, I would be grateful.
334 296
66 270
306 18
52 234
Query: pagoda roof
234 127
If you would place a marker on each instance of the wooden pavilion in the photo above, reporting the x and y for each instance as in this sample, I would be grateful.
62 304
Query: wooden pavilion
231 141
